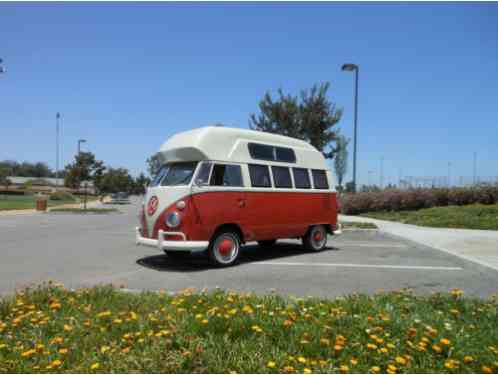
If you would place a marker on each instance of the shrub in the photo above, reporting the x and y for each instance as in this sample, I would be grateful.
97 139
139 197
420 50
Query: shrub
460 196
62 196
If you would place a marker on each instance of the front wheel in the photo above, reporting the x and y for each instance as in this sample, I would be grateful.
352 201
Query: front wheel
316 238
224 249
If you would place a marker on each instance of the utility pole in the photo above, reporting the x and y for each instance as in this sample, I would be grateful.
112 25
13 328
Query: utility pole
475 168
80 141
449 174
57 118
381 172
354 68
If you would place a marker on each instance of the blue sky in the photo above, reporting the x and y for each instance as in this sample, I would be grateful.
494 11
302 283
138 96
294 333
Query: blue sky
125 76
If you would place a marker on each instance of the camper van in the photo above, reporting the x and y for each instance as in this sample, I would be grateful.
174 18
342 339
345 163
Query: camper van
219 188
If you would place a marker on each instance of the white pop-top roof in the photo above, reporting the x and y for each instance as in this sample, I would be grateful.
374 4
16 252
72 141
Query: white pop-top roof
231 145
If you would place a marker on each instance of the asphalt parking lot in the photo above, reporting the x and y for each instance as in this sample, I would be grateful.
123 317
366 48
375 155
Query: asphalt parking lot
85 250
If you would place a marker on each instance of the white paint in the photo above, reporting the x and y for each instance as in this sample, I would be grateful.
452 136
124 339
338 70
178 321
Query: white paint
352 265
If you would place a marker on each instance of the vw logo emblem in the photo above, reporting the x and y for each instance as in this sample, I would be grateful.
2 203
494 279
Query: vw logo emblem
152 205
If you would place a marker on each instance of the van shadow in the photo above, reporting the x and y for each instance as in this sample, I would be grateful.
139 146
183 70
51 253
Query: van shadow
199 262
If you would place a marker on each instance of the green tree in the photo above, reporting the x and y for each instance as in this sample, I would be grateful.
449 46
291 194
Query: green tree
153 165
85 167
140 184
341 158
311 117
115 180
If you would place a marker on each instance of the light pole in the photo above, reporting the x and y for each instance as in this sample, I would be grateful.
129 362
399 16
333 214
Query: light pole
449 174
2 70
80 141
382 172
369 178
475 168
57 118
354 68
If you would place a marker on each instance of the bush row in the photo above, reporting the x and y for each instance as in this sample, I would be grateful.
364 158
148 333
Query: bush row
399 200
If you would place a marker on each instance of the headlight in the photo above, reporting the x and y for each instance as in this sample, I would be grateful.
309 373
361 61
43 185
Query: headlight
173 220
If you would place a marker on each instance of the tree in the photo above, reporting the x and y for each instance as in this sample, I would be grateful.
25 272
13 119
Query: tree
153 165
311 117
341 158
115 180
84 168
140 184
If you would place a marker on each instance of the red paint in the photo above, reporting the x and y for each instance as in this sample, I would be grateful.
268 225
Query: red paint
317 236
152 205
225 246
260 215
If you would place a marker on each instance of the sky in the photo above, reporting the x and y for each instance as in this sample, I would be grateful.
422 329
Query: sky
126 76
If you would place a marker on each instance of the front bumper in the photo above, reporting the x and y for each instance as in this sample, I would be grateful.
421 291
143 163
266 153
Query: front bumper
161 244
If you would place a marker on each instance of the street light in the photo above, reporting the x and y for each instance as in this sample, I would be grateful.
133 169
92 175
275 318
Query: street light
80 141
354 68
2 70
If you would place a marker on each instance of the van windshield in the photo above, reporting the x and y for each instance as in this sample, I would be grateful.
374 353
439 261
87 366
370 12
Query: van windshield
175 174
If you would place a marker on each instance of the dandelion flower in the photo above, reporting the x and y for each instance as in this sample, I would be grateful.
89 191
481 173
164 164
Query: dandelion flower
28 353
486 369
63 351
307 370
67 328
344 368
375 369
301 359
95 366
437 348
271 364
445 342
468 359
400 360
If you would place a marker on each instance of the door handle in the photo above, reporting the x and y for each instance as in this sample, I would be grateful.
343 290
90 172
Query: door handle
242 202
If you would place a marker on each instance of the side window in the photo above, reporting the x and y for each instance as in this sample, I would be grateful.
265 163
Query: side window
320 179
261 152
285 154
301 178
203 174
281 177
260 175
226 175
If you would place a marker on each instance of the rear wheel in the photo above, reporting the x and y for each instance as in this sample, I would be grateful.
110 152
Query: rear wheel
267 243
224 249
316 238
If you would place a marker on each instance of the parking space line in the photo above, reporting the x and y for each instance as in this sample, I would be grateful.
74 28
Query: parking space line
352 265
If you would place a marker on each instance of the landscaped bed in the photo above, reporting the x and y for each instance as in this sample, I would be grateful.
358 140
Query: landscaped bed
357 225
26 202
103 330
474 216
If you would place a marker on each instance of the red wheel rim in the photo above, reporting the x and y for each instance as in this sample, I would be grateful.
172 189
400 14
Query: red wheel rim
317 236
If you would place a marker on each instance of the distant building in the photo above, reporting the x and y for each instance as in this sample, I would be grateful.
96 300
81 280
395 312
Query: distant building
46 185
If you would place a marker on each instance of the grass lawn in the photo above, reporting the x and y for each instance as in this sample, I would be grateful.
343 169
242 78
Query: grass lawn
49 329
474 216
23 202
357 225
83 211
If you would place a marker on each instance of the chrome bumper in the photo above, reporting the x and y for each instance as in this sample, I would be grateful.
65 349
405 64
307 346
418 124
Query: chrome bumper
338 229
161 244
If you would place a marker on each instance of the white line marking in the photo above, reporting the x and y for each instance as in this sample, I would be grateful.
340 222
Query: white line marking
379 245
351 265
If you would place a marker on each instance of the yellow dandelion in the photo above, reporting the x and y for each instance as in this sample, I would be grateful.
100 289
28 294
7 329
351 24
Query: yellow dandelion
271 364
301 359
94 366
400 360
28 353
391 369
55 306
445 342
450 364
56 363
338 348
117 321
344 368
437 348
375 369
383 350
205 321
307 370
68 328
63 351
104 349
354 361
126 350
371 346
287 323
486 369
2 346
468 359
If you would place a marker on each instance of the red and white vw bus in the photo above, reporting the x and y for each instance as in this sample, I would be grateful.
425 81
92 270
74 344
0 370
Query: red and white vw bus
219 188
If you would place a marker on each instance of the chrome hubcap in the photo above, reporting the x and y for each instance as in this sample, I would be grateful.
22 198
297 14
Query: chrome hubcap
318 237
226 248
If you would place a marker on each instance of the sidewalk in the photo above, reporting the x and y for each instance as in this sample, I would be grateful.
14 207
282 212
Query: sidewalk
478 246
29 211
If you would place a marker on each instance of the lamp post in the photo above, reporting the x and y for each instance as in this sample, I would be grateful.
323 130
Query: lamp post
80 141
2 70
354 68
57 119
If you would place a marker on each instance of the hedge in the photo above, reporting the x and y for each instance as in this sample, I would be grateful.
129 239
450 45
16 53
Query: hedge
400 200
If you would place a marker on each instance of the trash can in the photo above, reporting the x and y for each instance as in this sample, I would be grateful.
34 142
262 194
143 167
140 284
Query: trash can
41 204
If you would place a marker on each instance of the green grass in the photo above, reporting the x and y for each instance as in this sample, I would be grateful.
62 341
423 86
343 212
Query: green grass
50 329
357 225
24 202
474 216
83 211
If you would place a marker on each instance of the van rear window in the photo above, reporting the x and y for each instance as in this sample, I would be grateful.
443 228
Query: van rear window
260 175
272 153
320 179
301 178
